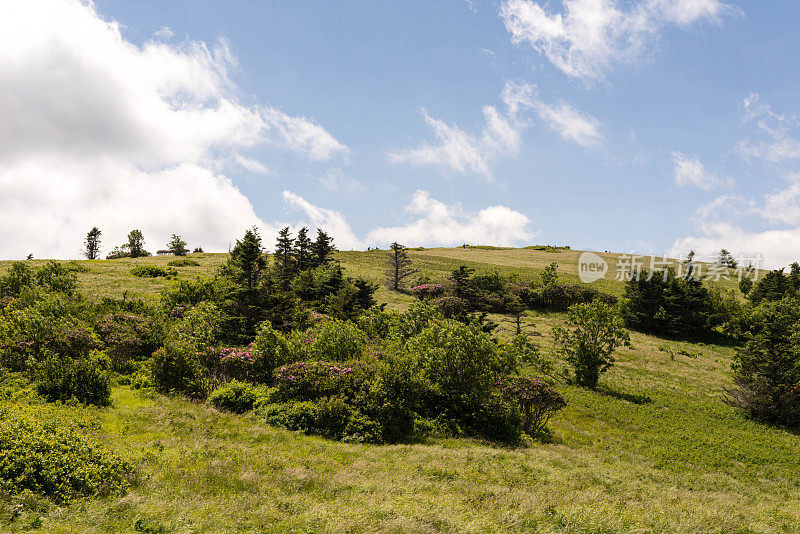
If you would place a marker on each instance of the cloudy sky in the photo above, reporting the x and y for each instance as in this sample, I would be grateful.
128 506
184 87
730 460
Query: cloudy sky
649 126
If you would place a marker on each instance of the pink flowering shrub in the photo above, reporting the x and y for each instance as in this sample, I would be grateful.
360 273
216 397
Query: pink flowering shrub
313 380
128 338
537 401
427 291
236 363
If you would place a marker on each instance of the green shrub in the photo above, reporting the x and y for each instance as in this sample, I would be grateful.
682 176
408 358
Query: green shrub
233 396
186 262
187 293
460 360
153 271
536 400
362 429
300 415
141 380
335 340
333 416
273 349
313 380
459 364
767 367
176 367
668 305
559 297
495 418
330 417
51 459
60 378
128 338
592 334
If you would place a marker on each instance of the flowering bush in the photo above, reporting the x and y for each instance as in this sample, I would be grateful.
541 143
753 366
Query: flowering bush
237 363
312 380
537 401
451 306
427 291
128 338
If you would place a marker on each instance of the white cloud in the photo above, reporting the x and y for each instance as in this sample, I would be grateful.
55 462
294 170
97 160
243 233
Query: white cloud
776 143
590 36
571 124
783 205
335 179
691 171
97 130
463 153
777 246
165 32
333 222
434 223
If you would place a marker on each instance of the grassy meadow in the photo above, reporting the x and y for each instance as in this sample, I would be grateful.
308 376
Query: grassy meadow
654 450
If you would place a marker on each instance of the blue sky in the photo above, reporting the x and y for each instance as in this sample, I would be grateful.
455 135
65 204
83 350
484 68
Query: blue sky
652 126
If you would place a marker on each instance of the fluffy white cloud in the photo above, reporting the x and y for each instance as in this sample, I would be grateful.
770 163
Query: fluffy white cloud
777 246
775 143
434 223
97 130
691 171
333 222
570 123
783 205
463 153
590 36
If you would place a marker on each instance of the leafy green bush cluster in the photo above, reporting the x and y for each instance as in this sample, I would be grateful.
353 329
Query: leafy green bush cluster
430 375
184 262
233 396
468 292
153 271
128 338
55 460
84 379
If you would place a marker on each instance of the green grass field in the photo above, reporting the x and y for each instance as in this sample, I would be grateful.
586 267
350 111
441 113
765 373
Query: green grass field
655 450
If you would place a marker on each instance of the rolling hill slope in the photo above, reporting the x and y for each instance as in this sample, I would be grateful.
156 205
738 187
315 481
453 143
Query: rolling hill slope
654 450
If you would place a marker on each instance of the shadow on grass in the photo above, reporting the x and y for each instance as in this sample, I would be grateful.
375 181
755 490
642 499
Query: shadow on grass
621 395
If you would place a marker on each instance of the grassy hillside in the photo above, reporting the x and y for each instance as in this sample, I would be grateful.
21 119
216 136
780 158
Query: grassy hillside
112 278
655 450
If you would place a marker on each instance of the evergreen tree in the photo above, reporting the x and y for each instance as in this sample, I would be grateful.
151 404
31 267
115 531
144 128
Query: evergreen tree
178 246
91 247
461 278
241 284
135 244
322 249
726 259
398 267
247 260
284 256
302 249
